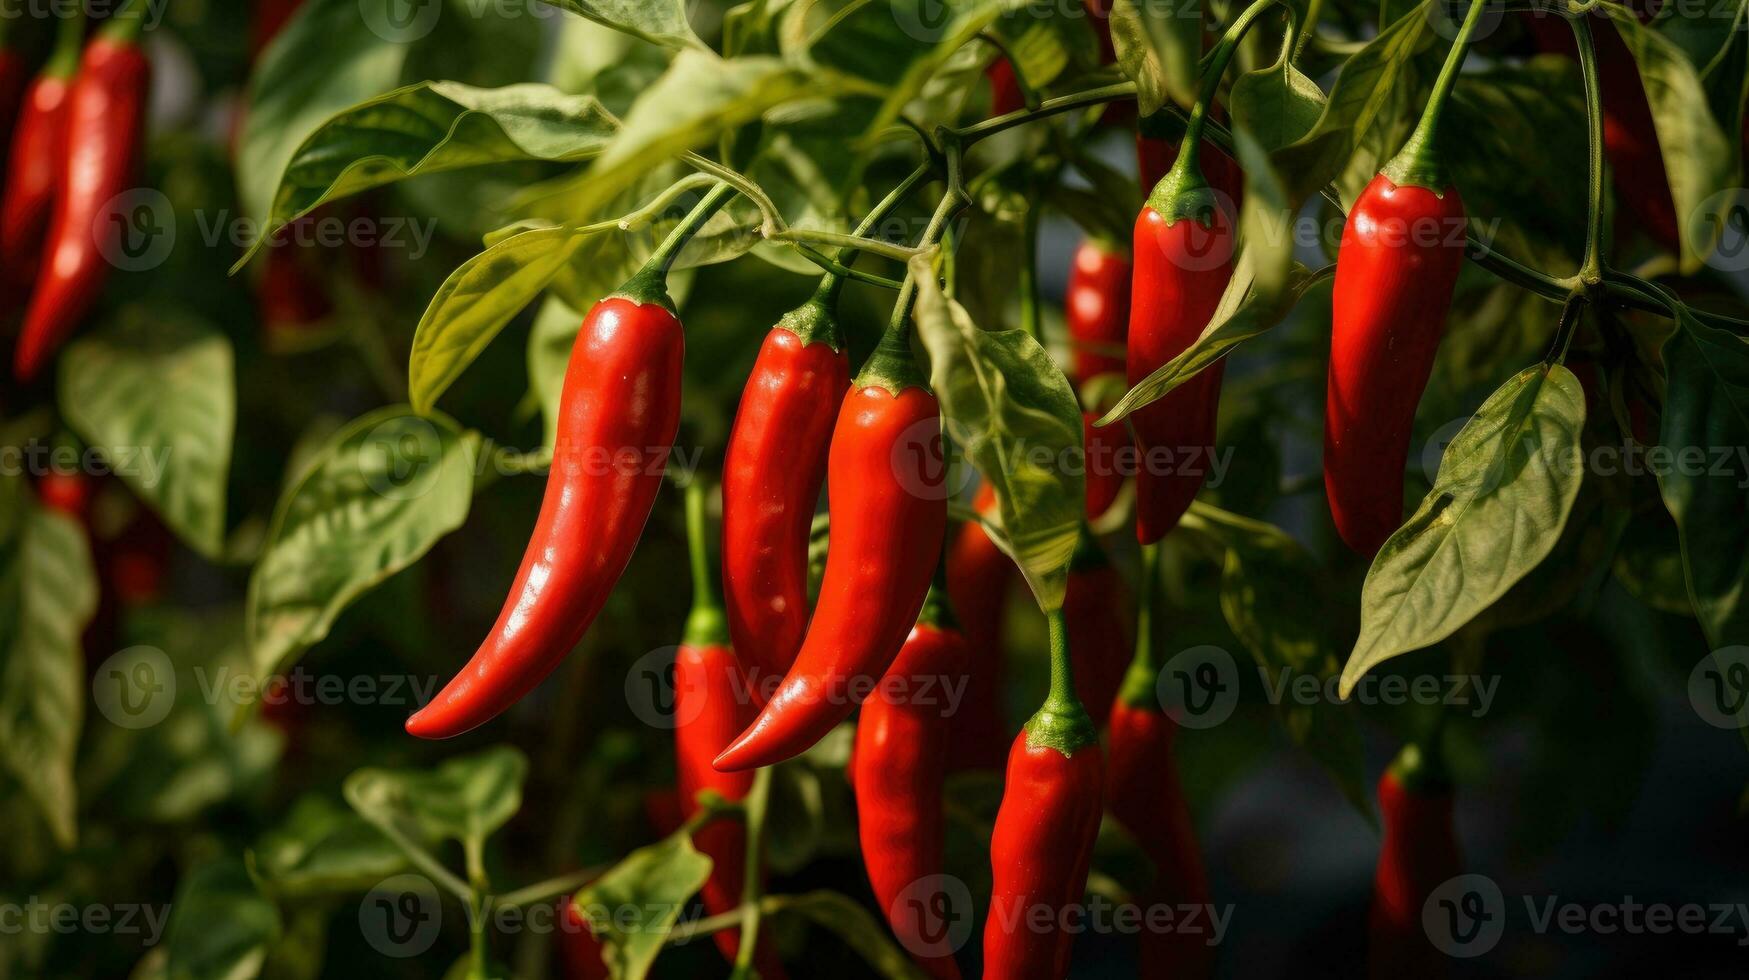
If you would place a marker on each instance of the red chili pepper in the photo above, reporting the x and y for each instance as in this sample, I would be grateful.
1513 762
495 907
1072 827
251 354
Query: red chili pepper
1005 94
771 480
898 768
1099 12
1104 468
1097 307
579 950
885 476
711 706
619 410
979 577
67 492
1183 257
1419 853
1096 608
1144 794
1042 845
1398 264
33 170
270 18
105 123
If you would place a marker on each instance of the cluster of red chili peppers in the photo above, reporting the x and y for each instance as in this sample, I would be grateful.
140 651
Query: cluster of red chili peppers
74 151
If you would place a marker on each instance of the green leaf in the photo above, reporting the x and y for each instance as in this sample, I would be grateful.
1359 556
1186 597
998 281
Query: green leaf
326 59
1705 429
1698 157
1278 104
464 799
220 926
431 128
634 905
1158 46
158 398
383 491
856 926
1271 107
950 24
657 21
1008 407
321 849
475 303
1244 312
48 593
1375 101
1505 486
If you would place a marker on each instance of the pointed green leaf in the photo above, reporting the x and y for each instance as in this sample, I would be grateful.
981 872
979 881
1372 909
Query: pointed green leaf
1158 46
657 21
634 905
464 799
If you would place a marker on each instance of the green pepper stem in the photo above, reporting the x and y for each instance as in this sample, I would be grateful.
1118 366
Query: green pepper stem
124 26
69 39
1061 723
1190 149
706 624
1418 163
832 284
1030 312
1591 269
755 805
662 259
1141 681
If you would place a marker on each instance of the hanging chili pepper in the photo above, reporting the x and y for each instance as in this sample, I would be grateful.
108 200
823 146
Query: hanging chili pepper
1418 854
1145 796
1042 845
1095 607
580 952
105 124
33 170
1005 94
888 507
270 18
898 768
619 410
979 578
776 462
1104 446
1398 264
1097 307
711 706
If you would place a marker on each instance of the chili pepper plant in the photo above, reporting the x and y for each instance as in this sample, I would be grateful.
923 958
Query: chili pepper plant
916 488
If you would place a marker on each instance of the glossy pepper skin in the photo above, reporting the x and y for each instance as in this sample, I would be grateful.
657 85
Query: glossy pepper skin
888 504
775 465
619 410
33 171
1106 463
1096 305
979 578
1181 269
1418 854
105 123
1399 261
898 770
1040 853
1096 607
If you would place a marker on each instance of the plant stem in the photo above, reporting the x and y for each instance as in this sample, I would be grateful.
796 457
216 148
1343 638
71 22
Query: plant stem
1190 148
1591 269
1061 722
1418 162
754 878
1140 681
69 39
1049 107
952 200
1030 315
662 259
706 624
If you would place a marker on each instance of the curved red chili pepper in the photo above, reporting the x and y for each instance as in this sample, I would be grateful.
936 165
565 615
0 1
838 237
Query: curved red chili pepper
105 122
1096 305
1105 465
580 951
1042 844
1418 854
979 577
33 170
898 768
619 410
1182 268
887 500
1096 607
1401 252
771 480
1005 95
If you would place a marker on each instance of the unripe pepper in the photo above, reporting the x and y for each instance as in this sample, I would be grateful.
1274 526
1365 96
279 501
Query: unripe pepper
979 577
1401 252
712 705
898 769
1183 259
1042 845
105 126
1096 305
33 170
771 480
619 410
1145 796
1095 607
1418 854
887 499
